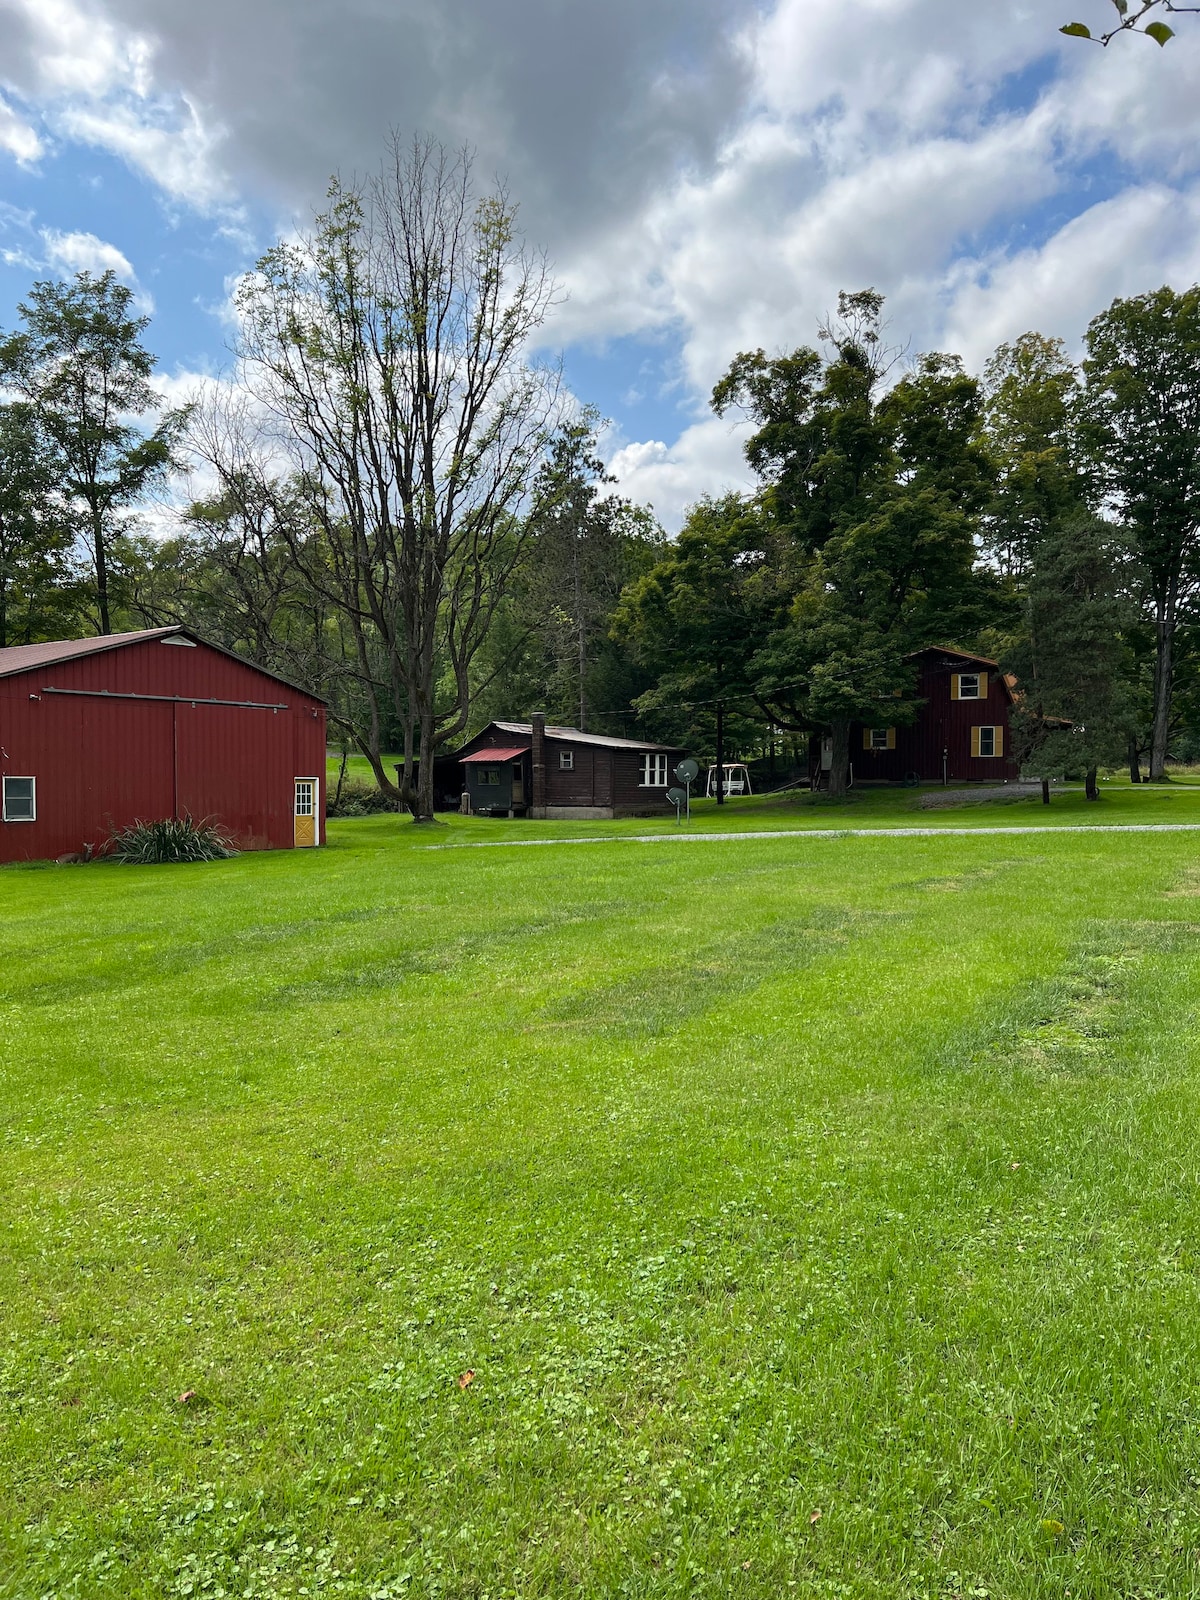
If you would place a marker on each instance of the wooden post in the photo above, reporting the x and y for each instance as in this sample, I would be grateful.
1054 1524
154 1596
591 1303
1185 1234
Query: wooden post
720 753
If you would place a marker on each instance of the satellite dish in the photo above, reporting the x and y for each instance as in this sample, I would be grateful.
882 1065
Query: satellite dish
687 770
676 796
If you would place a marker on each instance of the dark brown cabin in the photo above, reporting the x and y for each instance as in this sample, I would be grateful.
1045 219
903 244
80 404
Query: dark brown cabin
529 769
962 733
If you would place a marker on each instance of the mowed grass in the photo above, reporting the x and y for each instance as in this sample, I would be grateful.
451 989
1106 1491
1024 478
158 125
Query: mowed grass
817 1216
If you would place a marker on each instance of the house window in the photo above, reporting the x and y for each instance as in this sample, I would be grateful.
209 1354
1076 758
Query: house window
566 761
970 686
20 799
654 772
987 742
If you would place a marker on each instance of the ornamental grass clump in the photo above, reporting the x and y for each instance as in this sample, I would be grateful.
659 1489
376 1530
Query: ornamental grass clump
169 839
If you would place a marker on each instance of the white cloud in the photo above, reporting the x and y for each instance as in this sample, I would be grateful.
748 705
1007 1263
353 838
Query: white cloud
705 459
17 136
68 253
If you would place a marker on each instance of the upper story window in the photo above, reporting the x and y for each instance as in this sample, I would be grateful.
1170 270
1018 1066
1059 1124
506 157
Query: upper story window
20 800
566 761
968 686
654 772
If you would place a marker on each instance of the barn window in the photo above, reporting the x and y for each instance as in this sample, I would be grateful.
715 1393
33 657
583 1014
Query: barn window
654 772
881 739
20 799
987 742
968 686
566 761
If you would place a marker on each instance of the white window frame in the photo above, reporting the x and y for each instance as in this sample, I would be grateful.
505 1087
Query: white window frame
988 728
879 739
566 761
308 787
17 777
654 771
974 693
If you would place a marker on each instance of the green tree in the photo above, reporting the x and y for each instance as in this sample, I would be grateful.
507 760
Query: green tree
35 541
878 497
1142 421
1075 707
1030 396
80 363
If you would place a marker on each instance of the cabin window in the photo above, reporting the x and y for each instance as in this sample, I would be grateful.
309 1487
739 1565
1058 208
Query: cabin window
489 777
987 742
654 772
20 799
968 686
566 761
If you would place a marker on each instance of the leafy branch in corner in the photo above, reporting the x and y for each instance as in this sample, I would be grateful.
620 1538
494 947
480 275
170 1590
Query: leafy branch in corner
1133 22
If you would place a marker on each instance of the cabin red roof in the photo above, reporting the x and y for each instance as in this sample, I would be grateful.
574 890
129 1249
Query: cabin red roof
501 754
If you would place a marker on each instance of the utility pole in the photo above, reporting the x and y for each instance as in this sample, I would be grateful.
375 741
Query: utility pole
720 753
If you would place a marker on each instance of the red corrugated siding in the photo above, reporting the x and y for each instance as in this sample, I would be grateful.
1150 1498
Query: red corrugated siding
103 764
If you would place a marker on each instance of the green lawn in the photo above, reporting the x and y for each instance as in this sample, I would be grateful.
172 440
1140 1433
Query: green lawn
818 1216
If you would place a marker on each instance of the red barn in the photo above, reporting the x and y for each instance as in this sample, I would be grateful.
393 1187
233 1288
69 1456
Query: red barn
98 733
961 734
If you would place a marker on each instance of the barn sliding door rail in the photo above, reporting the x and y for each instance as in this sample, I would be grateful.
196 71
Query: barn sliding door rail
170 699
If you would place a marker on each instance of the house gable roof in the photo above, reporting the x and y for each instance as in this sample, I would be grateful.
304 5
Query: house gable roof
524 730
29 657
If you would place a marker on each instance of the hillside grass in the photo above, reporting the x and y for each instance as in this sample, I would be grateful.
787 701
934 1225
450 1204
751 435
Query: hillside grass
817 1215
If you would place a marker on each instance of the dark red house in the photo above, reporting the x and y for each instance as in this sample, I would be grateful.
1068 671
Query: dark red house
961 734
529 769
98 733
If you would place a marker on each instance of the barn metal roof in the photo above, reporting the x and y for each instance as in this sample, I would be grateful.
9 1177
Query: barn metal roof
24 657
28 657
573 736
502 754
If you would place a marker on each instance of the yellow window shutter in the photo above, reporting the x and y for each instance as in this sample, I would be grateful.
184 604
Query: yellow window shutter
954 694
999 741
975 743
983 685
891 738
866 738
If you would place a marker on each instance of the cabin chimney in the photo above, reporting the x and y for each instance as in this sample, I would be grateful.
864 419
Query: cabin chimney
537 721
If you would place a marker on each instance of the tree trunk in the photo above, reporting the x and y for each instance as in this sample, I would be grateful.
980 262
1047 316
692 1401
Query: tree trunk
839 770
720 754
1045 791
341 776
1164 666
423 805
1135 765
1091 790
101 571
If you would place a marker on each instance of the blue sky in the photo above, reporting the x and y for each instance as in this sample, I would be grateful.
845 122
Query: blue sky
704 178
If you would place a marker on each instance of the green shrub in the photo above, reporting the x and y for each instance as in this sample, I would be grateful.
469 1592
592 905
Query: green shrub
169 839
360 799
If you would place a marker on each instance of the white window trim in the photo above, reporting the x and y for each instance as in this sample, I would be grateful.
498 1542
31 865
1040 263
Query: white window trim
987 755
656 764
566 761
19 777
879 733
962 693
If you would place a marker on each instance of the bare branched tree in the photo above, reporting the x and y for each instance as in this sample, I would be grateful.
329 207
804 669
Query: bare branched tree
390 348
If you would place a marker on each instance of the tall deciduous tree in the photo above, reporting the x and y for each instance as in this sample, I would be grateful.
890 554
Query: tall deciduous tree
1142 410
79 361
35 541
390 346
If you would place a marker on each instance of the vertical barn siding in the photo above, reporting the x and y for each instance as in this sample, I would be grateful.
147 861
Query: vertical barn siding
942 724
103 764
